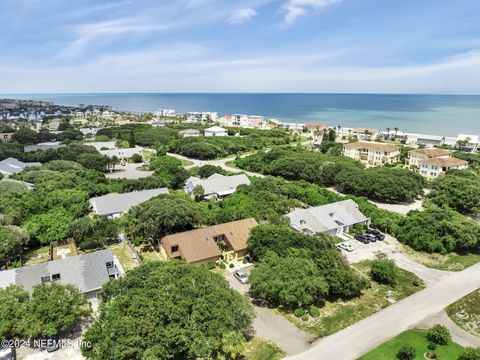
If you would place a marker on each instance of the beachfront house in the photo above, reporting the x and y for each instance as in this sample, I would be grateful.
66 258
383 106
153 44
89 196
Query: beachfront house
435 167
469 143
122 154
215 131
415 156
430 140
331 219
87 272
115 205
12 166
372 153
216 186
227 242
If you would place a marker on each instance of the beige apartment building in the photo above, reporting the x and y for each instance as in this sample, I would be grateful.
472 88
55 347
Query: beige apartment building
415 156
372 153
435 167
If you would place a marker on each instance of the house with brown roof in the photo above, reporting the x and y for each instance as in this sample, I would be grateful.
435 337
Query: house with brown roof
227 242
372 153
435 167
414 156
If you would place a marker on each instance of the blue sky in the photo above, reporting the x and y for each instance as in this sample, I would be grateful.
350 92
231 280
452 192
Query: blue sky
406 46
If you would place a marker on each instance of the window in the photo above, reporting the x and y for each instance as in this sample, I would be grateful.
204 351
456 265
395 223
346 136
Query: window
109 264
55 277
174 248
45 279
220 237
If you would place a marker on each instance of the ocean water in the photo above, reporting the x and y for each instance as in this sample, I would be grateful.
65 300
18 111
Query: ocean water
445 115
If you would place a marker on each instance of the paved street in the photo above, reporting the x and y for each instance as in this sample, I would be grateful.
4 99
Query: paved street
365 335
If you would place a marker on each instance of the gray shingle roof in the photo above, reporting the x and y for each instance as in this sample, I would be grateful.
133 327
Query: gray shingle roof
12 166
43 146
217 184
119 203
328 217
88 272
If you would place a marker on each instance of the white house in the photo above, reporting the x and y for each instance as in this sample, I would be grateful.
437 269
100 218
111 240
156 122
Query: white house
372 153
216 186
165 113
215 131
434 167
468 142
122 153
332 219
414 156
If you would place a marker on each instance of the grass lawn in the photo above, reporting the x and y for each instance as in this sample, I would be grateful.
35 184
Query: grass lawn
261 349
335 316
150 254
449 262
124 255
37 256
470 319
416 338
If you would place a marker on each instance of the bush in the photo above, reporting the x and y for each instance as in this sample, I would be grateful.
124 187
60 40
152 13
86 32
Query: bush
222 265
211 266
231 266
470 354
314 311
305 317
432 346
299 312
406 352
137 158
384 271
439 334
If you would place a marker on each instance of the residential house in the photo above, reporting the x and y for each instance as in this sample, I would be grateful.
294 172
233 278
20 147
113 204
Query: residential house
414 156
372 153
216 186
12 166
468 143
425 140
102 145
88 272
365 133
201 117
434 167
122 154
44 146
158 123
190 133
6 137
54 124
90 131
227 242
332 219
165 113
115 205
273 124
215 131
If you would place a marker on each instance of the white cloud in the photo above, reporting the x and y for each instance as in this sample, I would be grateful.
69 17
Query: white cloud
240 16
296 8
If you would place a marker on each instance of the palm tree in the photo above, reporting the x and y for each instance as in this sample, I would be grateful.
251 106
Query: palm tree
388 133
396 131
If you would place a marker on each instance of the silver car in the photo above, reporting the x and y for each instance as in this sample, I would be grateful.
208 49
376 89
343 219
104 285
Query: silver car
346 246
241 276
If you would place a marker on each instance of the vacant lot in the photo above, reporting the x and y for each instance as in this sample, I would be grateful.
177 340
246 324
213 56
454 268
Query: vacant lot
416 338
449 262
337 315
466 313
261 349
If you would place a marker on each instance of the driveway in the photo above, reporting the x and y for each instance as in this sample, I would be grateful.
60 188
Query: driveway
350 343
274 327
129 171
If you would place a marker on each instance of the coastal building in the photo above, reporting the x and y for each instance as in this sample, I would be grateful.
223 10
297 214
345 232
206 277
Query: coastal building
189 133
102 145
435 167
273 124
12 166
246 121
165 113
415 156
6 137
331 219
201 117
227 242
215 131
122 154
89 131
365 133
44 146
158 123
469 143
216 186
87 272
372 153
314 128
115 205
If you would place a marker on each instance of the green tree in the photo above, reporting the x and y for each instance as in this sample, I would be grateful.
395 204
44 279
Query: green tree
25 136
165 310
94 233
290 282
48 227
198 192
406 352
13 240
384 271
439 334
470 353
13 309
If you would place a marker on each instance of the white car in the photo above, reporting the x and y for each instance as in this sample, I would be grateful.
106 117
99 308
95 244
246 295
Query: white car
241 276
346 246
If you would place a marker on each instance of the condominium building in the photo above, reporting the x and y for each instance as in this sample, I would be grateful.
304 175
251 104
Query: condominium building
372 153
414 156
434 167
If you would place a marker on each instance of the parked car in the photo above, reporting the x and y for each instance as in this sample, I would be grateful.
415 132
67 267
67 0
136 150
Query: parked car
376 233
52 343
371 237
346 246
7 353
362 238
241 276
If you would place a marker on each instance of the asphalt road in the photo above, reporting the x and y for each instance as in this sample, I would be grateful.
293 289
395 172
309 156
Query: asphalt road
367 334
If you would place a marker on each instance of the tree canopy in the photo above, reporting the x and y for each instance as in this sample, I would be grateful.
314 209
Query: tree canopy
168 310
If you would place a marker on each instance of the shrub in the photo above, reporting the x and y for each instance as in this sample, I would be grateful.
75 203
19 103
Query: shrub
222 265
439 334
231 266
470 354
432 346
432 355
305 317
406 352
211 266
137 158
299 312
314 311
384 271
